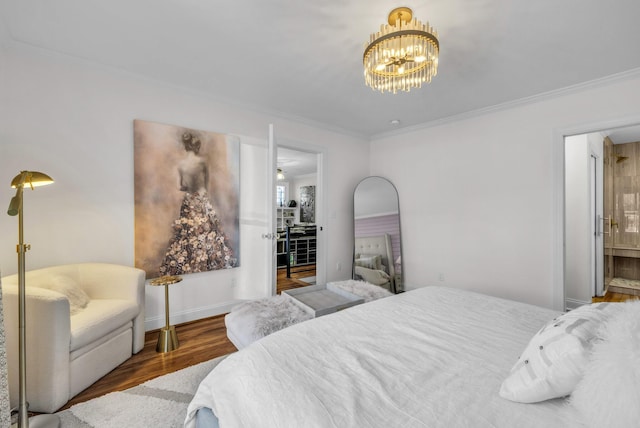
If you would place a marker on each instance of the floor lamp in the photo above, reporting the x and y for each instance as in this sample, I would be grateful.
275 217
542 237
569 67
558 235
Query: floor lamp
33 179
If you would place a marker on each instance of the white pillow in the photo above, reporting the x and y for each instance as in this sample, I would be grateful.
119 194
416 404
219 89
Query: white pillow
609 393
78 299
373 276
553 362
370 262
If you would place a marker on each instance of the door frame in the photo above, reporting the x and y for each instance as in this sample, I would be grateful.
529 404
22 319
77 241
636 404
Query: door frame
558 159
596 184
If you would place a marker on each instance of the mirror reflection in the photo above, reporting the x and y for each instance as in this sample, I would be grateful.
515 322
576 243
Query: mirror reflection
378 247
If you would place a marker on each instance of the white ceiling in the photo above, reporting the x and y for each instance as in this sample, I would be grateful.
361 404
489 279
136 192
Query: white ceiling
629 134
295 163
302 59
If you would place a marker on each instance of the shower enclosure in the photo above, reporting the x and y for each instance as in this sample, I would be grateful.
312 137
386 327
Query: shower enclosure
621 220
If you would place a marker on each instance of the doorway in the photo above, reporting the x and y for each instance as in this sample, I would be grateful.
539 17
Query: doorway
297 213
602 214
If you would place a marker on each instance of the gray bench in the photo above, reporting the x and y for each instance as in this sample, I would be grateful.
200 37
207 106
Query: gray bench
253 320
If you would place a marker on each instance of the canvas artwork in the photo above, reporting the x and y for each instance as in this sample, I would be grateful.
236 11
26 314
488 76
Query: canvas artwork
308 204
186 199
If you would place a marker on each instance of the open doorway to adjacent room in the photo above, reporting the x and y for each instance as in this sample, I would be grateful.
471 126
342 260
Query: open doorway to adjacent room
602 214
296 218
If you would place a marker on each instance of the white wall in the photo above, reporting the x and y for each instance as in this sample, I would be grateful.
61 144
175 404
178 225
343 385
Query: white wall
481 197
577 225
74 121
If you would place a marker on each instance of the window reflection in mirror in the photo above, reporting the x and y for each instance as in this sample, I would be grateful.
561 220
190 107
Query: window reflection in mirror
378 243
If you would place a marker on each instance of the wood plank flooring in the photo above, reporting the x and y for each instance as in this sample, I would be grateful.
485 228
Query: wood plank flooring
614 297
297 272
200 341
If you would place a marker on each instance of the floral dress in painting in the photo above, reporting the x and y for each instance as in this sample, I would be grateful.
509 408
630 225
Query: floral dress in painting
198 243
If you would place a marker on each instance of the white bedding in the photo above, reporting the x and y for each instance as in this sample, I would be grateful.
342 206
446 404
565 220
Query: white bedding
432 357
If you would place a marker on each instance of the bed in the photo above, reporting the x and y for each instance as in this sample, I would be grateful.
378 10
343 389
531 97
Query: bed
373 261
431 357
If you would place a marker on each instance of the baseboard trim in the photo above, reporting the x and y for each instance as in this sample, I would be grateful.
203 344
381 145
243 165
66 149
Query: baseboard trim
157 322
571 304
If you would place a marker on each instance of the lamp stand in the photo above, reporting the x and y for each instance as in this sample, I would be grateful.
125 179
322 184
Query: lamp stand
168 338
23 414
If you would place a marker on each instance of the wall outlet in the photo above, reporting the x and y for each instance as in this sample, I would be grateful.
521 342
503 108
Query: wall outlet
233 283
338 266
440 276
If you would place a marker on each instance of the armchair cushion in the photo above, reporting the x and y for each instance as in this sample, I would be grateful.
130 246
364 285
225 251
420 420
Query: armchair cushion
100 317
67 286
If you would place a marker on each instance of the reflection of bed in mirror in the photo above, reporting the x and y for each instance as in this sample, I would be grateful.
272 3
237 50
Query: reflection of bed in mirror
376 215
374 261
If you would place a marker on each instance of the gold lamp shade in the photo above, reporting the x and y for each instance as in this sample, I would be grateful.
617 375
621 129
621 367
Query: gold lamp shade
34 178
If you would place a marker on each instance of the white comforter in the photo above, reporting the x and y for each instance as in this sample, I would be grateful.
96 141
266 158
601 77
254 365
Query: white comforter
432 357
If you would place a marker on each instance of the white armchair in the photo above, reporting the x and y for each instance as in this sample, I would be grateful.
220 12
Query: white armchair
83 320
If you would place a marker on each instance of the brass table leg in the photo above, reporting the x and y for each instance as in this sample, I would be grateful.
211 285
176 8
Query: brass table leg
168 339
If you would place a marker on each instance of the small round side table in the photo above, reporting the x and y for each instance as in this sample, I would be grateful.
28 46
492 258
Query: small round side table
168 339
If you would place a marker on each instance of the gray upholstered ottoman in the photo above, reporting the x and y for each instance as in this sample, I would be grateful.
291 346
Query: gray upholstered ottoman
250 321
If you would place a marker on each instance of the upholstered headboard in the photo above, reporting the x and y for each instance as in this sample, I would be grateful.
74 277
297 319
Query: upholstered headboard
377 245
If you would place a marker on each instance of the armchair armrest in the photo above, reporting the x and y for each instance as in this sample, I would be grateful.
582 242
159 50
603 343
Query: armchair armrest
47 328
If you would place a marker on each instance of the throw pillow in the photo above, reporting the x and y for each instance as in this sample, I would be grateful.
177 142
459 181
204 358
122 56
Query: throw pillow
78 299
372 276
369 262
609 392
553 362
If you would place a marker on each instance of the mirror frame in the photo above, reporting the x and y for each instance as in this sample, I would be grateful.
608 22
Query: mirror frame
395 236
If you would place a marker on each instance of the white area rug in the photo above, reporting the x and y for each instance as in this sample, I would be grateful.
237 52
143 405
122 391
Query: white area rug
309 279
161 402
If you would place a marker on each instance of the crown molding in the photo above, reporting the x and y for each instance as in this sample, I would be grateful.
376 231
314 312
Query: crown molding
557 93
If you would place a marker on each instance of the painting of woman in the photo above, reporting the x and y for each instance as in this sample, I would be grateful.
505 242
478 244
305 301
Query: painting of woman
198 243
186 199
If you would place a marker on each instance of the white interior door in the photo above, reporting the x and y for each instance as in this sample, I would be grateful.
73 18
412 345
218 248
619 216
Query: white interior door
256 277
272 235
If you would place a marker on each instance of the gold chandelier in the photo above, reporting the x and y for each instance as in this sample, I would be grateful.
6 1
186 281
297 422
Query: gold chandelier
402 55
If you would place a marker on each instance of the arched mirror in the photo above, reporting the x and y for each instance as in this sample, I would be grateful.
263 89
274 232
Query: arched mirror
378 244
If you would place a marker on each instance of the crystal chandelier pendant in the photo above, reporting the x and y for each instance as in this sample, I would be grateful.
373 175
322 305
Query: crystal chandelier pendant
402 55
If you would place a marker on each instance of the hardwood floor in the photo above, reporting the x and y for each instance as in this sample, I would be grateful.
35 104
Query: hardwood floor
200 341
297 272
614 297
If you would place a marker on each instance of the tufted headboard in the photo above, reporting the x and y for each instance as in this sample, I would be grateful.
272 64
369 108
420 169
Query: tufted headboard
377 245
